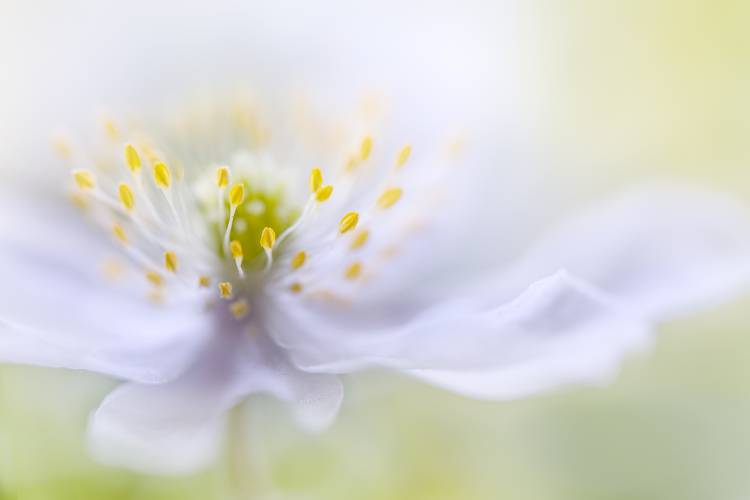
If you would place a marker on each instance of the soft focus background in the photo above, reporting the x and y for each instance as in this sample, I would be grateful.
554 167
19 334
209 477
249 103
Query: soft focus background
603 93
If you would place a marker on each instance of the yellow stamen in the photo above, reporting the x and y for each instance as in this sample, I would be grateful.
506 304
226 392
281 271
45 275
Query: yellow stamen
225 290
299 260
365 148
351 163
403 156
154 278
360 239
389 197
62 148
132 159
348 222
126 196
79 201
162 175
316 179
324 193
222 177
239 308
267 238
236 248
170 261
84 179
111 129
295 287
353 272
204 281
237 194
120 234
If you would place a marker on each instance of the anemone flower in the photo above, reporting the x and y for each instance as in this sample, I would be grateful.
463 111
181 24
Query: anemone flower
220 253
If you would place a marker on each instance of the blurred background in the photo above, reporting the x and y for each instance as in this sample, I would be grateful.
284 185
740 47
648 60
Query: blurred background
605 94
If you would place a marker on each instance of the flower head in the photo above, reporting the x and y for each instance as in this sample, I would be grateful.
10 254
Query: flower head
246 255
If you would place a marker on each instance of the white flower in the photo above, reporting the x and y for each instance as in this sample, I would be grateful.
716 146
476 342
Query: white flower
208 258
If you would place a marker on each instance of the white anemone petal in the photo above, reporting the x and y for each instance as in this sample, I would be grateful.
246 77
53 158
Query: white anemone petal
177 427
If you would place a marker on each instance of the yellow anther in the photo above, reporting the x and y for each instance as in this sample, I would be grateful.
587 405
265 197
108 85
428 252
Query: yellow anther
239 308
79 201
120 234
354 271
351 163
225 290
170 261
132 159
236 248
295 287
365 148
62 148
237 194
267 238
403 156
111 129
324 193
299 260
162 175
154 278
348 222
360 239
222 177
204 281
84 179
126 196
389 197
316 180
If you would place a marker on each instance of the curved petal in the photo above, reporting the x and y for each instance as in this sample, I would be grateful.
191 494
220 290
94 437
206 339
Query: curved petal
664 250
57 309
176 428
560 330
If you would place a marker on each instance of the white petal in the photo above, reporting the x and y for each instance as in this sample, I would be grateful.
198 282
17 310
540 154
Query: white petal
664 250
559 331
56 308
177 427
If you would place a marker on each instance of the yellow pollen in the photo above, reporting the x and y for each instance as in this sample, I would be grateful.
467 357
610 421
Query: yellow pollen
316 179
170 261
204 281
120 234
239 308
351 163
403 156
354 271
225 290
389 197
236 248
348 222
132 159
222 177
237 194
126 196
365 148
299 260
360 239
154 278
268 238
295 287
84 179
324 193
162 175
